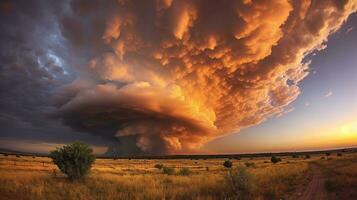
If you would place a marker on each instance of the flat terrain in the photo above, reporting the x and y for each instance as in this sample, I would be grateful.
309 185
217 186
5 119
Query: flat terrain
29 177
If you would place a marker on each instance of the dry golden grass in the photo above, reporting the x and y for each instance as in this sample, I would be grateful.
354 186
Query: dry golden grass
38 178
341 176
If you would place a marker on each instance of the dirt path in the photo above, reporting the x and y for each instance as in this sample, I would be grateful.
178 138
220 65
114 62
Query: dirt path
315 188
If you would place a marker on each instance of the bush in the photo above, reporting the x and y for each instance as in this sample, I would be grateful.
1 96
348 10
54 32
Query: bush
249 164
18 156
307 156
323 158
275 159
159 166
295 156
242 183
328 154
168 170
339 154
185 171
227 164
75 160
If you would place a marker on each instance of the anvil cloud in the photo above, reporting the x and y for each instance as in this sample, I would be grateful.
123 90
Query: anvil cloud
177 74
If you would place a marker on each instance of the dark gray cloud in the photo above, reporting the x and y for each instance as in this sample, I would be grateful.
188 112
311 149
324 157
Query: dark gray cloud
34 61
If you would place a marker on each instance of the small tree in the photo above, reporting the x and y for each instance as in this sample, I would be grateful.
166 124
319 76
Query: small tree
275 159
75 160
227 164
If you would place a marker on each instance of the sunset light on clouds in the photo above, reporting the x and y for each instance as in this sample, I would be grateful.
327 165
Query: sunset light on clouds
176 76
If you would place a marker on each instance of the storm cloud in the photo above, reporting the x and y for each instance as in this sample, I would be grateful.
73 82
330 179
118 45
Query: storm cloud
173 75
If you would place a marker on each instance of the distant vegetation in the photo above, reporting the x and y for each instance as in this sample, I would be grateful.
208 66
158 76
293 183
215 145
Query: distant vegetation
185 171
159 166
75 160
227 164
249 164
168 170
275 159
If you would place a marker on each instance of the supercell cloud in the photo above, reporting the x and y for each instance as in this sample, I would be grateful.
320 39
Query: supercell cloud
174 75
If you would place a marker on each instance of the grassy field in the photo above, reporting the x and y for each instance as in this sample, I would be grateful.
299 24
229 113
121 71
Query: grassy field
29 177
341 176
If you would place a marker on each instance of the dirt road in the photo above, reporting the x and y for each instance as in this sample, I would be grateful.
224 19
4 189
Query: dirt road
315 188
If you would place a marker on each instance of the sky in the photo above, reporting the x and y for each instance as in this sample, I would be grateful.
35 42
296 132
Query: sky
178 77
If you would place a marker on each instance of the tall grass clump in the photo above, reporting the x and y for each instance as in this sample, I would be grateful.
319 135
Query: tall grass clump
168 170
242 183
185 171
249 164
75 160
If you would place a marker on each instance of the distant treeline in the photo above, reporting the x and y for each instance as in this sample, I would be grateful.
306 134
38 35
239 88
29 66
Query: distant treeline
203 157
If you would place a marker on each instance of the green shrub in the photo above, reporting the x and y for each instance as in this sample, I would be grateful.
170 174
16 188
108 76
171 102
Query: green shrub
227 164
159 166
275 159
168 170
242 183
75 160
185 171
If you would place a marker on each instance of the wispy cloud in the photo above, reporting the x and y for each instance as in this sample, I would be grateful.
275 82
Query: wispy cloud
349 29
328 94
285 112
307 104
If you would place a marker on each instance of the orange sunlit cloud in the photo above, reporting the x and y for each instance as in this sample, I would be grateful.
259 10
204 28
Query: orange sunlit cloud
192 71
